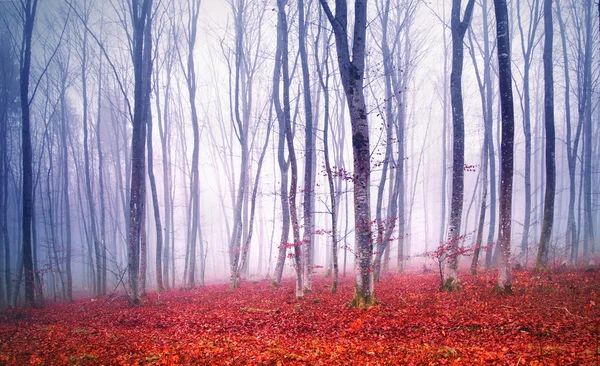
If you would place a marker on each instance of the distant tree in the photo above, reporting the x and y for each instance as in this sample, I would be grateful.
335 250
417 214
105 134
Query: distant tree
9 94
542 257
282 109
193 11
506 146
324 77
458 27
586 115
351 64
529 41
572 144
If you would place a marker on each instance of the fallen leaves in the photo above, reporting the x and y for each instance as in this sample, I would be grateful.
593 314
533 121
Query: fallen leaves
547 321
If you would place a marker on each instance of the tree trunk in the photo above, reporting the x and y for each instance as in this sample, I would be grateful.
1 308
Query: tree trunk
292 157
307 239
571 239
103 267
588 241
506 146
352 69
283 113
190 75
324 76
29 9
459 28
157 222
86 159
542 257
141 56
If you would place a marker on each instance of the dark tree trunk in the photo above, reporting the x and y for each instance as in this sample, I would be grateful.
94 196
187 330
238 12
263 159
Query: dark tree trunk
307 237
283 113
351 67
459 28
29 9
542 257
141 54
292 154
506 146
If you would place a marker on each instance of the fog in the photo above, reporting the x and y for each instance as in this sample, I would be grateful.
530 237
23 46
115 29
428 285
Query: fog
82 99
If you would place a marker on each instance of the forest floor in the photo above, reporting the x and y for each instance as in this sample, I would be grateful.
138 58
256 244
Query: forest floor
549 319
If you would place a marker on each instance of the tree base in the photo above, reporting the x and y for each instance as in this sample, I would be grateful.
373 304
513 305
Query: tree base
506 290
362 302
451 284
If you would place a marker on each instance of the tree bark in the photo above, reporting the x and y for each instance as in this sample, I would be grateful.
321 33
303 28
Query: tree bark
544 246
297 245
283 113
307 238
29 9
506 146
459 28
142 62
351 68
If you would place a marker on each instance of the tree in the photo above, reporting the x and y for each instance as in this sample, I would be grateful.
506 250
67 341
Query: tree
9 95
506 146
309 151
141 21
542 257
572 145
459 28
529 41
282 110
190 77
489 162
29 13
324 76
586 112
351 65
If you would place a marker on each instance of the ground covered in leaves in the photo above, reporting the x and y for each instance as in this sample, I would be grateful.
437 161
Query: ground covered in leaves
550 319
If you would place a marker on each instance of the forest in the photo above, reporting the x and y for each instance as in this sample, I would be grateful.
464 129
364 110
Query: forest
293 182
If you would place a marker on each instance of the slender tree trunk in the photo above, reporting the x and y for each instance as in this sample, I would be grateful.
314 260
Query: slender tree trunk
86 158
352 69
480 226
588 241
283 114
571 239
289 136
141 54
29 9
66 193
459 28
157 222
307 238
490 133
542 257
506 146
194 11
103 267
246 246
